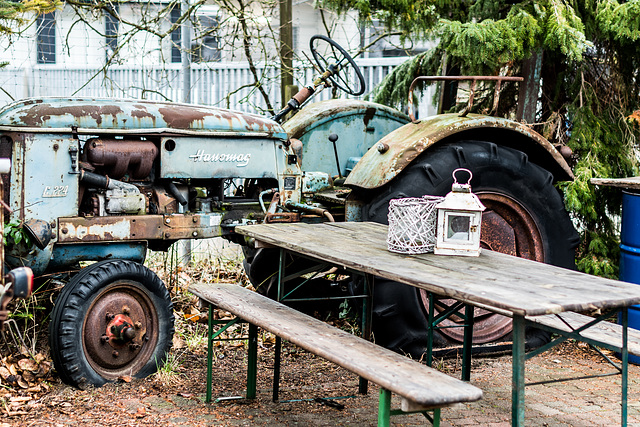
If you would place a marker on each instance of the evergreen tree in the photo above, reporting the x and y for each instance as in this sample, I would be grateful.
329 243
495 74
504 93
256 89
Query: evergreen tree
589 75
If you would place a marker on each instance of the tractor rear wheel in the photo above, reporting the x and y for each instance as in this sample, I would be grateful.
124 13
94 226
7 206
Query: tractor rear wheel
113 319
525 217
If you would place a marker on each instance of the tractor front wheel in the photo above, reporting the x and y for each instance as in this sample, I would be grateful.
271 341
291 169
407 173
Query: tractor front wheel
113 319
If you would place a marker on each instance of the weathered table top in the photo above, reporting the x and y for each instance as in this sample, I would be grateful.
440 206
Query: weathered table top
499 282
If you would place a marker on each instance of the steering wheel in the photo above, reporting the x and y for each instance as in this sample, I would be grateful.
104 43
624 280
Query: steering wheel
330 56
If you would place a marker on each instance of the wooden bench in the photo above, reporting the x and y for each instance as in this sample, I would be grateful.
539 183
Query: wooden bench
420 387
603 332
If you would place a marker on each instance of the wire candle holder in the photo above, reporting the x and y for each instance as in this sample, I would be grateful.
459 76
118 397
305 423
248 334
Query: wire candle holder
412 224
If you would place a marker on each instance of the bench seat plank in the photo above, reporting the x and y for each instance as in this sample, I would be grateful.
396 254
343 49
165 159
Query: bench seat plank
606 332
418 383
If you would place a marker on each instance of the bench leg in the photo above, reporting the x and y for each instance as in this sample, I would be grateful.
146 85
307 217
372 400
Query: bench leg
276 369
436 417
209 356
252 362
517 384
385 412
384 408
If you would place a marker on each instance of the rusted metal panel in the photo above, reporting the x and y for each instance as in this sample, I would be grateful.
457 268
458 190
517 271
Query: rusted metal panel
378 167
43 185
64 256
314 182
358 125
118 156
138 227
120 116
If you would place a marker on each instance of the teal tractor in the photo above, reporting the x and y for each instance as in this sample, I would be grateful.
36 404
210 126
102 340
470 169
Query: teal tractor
106 180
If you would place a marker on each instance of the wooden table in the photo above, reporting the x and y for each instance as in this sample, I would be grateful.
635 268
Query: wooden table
501 283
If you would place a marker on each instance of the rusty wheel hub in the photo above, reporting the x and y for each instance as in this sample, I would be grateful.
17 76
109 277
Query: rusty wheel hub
120 330
507 227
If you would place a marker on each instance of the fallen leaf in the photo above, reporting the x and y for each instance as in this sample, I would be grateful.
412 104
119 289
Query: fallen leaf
4 372
28 365
178 343
125 378
192 317
28 376
22 383
141 413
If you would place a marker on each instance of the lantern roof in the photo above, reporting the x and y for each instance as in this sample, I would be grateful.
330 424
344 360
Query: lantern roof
461 198
461 201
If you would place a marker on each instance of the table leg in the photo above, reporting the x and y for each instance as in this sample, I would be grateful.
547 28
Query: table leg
281 265
517 384
278 344
430 329
367 314
467 343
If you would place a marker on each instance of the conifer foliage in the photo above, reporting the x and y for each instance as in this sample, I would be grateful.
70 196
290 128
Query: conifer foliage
589 79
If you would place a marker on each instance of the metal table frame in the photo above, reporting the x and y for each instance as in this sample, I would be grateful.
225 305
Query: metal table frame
384 401
520 356
517 311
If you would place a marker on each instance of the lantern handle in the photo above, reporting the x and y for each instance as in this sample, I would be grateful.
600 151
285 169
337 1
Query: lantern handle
455 180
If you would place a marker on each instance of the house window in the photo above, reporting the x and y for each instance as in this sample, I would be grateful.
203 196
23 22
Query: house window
176 36
111 25
46 38
208 48
295 30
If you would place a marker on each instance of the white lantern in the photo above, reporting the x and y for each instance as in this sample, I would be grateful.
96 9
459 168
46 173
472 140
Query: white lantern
459 220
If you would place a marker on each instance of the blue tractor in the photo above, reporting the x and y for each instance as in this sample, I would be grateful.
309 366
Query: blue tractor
106 180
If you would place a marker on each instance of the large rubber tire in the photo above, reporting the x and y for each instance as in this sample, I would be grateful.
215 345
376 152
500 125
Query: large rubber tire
112 293
511 187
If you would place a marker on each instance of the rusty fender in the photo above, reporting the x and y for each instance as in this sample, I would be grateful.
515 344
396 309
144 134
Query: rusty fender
386 159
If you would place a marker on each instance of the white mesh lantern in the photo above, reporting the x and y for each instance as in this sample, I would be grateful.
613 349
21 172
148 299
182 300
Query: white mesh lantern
412 224
459 220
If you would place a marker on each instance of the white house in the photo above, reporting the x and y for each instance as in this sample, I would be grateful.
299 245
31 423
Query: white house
64 53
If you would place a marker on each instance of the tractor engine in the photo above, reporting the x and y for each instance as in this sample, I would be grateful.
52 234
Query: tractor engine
100 179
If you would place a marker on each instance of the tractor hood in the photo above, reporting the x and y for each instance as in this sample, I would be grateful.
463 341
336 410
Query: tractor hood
91 116
394 152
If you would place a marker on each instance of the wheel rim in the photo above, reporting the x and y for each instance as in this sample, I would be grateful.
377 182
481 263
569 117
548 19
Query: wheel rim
507 227
120 330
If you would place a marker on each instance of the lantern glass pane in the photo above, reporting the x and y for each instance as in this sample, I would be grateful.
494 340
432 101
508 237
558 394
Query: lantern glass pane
458 227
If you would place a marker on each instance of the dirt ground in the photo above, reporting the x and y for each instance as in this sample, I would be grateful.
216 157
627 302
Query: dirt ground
177 399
